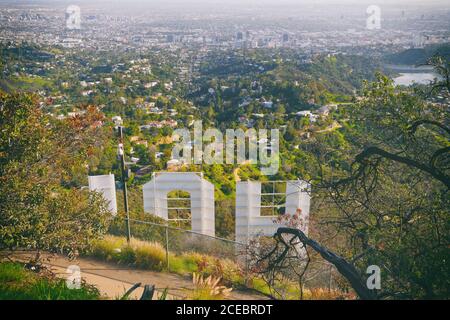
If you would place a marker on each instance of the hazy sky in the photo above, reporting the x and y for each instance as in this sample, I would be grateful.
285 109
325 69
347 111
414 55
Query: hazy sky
445 4
294 7
293 2
250 2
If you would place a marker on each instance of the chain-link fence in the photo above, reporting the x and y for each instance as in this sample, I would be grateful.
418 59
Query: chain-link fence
185 252
179 242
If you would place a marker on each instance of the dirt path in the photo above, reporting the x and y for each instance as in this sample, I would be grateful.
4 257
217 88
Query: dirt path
113 280
333 127
236 170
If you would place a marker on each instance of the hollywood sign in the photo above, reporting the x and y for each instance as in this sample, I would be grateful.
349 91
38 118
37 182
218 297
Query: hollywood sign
249 220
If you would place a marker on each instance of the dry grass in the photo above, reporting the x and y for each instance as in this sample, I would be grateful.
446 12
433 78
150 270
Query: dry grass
208 288
325 294
140 254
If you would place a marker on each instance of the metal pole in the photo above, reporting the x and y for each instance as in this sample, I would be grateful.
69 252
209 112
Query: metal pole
167 249
124 182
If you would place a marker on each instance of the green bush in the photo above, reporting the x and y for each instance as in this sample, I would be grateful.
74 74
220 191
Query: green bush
127 256
144 255
150 257
16 283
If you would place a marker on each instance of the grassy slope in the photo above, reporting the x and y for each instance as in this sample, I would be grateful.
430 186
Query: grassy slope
16 283
151 256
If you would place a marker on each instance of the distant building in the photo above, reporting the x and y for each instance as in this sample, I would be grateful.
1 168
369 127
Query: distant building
267 104
142 143
307 114
76 114
160 124
151 84
324 111
174 164
258 115
117 120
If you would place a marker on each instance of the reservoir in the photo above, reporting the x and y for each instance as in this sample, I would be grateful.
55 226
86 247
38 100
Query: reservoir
407 79
408 74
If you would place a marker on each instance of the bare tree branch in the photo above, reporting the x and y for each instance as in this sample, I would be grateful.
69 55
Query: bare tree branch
435 173
346 269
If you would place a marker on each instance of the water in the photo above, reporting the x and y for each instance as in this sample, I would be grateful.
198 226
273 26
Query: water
408 79
408 75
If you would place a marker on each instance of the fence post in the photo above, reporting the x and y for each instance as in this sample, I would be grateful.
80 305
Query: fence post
167 249
330 280
246 277
124 183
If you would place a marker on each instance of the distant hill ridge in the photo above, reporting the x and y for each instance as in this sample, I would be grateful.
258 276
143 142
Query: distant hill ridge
419 55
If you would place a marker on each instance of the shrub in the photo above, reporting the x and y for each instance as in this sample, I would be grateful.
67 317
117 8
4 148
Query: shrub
126 256
108 248
16 283
145 255
208 289
184 264
150 257
41 205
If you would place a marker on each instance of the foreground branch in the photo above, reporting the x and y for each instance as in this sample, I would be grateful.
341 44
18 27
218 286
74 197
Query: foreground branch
346 269
435 173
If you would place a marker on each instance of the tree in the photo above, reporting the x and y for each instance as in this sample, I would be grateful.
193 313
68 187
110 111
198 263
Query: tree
143 154
396 192
442 67
393 190
225 218
385 195
39 155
